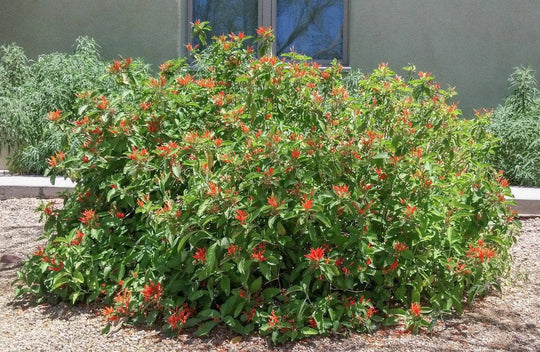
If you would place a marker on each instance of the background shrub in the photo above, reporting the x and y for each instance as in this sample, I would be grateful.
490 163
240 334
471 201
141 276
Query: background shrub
517 126
31 89
258 194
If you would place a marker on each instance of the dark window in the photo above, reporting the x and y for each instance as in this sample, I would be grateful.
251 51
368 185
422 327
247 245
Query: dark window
316 28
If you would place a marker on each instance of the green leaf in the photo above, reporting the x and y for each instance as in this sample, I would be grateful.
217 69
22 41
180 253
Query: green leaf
225 284
74 296
58 281
226 308
106 329
177 170
206 328
208 313
382 156
308 331
211 257
270 292
255 285
415 295
322 218
78 276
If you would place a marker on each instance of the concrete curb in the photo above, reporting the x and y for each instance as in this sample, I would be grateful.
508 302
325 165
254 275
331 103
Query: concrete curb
527 199
32 187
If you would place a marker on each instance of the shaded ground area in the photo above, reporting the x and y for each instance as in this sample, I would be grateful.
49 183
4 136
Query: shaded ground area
499 322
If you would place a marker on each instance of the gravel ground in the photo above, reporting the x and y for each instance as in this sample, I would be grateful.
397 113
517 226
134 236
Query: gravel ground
504 322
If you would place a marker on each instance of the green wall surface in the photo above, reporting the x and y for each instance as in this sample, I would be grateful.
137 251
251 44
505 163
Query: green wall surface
470 44
127 28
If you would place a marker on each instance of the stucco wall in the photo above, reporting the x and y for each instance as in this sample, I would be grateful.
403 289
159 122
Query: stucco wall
136 28
470 44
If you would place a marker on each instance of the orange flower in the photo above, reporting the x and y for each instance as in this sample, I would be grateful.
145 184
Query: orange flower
104 103
200 254
258 252
60 155
78 238
400 246
87 216
52 161
184 81
232 250
315 255
370 311
145 105
109 313
392 267
415 309
272 201
410 211
273 319
241 216
342 191
55 115
213 189
82 121
152 292
295 154
481 252
179 316
307 204
115 67
265 32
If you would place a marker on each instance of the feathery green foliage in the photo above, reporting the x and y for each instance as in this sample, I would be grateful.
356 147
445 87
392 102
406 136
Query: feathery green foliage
517 126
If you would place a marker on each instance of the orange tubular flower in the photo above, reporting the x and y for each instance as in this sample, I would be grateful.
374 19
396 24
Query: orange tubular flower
241 216
481 252
232 250
415 309
410 211
179 316
109 313
265 32
200 254
307 204
78 238
315 255
52 161
152 292
55 115
272 201
295 154
273 319
87 216
60 155
400 246
104 103
258 252
342 191
213 189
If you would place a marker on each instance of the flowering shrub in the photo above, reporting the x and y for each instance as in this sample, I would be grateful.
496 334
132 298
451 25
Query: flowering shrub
258 194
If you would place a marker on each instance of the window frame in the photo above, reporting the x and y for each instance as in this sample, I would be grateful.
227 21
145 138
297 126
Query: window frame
267 17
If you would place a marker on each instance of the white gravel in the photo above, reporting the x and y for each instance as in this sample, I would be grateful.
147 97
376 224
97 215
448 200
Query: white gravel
506 322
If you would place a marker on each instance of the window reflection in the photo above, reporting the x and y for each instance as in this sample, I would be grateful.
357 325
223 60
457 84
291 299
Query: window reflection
312 27
228 16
